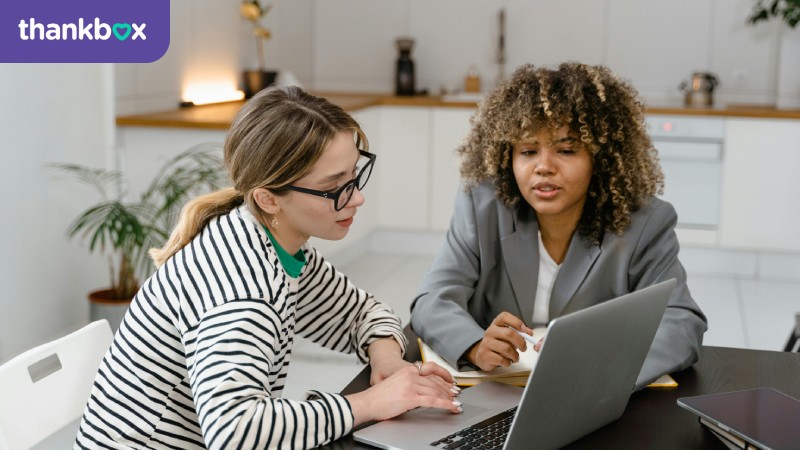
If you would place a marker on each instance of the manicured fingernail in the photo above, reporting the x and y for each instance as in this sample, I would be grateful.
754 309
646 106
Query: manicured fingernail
455 391
457 403
460 409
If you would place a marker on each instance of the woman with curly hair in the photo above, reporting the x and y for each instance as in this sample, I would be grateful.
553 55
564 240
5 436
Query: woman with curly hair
558 213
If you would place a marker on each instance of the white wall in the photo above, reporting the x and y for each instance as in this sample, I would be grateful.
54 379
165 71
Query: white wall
789 69
348 45
48 113
210 43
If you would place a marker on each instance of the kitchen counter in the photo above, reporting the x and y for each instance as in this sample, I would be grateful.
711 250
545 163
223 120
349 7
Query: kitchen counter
220 115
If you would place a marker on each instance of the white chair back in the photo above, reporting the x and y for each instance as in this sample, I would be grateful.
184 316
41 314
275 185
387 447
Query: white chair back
47 387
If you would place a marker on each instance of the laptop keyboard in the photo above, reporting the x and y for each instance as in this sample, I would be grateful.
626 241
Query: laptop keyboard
487 434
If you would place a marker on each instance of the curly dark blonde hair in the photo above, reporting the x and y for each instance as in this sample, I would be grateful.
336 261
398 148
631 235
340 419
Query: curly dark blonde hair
602 110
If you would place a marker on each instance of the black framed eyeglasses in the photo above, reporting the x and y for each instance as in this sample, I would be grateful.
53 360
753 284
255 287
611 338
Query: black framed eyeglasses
342 195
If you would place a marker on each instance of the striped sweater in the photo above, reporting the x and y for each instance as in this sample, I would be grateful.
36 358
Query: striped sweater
201 357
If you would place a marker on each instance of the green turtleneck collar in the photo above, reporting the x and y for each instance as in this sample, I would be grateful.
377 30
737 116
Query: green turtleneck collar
292 264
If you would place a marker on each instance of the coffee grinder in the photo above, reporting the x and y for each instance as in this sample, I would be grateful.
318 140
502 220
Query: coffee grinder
404 76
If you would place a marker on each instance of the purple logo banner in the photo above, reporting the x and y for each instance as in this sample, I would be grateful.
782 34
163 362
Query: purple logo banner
83 31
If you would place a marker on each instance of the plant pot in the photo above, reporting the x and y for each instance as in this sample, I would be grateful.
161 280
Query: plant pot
103 305
256 80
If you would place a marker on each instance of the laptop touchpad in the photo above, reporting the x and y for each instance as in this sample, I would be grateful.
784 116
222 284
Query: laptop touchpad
441 416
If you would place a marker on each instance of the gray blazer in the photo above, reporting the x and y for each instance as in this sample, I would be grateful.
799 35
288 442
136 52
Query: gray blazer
490 264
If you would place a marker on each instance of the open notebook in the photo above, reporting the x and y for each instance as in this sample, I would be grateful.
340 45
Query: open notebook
516 374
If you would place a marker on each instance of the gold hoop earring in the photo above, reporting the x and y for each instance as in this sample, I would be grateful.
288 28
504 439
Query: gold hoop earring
274 222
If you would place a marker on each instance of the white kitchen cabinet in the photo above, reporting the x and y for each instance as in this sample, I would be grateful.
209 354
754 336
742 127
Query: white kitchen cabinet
761 185
367 218
402 167
449 127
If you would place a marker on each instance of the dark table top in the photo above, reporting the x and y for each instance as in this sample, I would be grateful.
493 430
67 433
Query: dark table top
652 419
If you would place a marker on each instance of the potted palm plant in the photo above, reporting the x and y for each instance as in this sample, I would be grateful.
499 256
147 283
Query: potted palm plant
787 10
125 230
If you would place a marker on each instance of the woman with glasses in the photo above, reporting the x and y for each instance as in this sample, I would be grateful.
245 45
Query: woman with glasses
201 357
559 212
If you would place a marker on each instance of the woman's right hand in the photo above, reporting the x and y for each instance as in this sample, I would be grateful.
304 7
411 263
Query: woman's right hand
500 345
406 389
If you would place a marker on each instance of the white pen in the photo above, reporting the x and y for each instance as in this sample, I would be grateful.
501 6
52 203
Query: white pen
525 336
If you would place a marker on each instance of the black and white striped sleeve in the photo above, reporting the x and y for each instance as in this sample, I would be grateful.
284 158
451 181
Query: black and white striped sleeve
231 359
333 312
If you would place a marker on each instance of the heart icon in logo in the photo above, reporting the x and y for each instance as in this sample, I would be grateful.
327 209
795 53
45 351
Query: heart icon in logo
121 26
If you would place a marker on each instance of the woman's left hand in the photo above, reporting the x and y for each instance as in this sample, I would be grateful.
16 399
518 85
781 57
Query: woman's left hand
385 368
385 358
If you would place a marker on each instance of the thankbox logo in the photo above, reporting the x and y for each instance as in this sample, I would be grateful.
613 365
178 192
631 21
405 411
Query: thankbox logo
31 30
83 31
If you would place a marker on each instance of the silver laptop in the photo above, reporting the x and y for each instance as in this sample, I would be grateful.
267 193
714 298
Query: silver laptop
586 372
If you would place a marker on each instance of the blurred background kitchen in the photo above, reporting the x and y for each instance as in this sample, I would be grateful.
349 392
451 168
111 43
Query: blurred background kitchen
731 167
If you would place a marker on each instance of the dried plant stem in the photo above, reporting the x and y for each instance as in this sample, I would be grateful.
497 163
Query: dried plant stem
262 64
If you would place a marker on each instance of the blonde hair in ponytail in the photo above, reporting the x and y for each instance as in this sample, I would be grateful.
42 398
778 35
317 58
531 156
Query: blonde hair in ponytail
195 215
273 141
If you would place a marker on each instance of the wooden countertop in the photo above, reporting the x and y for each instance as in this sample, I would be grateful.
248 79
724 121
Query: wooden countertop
219 116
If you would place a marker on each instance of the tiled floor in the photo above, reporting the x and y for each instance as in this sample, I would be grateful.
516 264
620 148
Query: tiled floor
741 312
